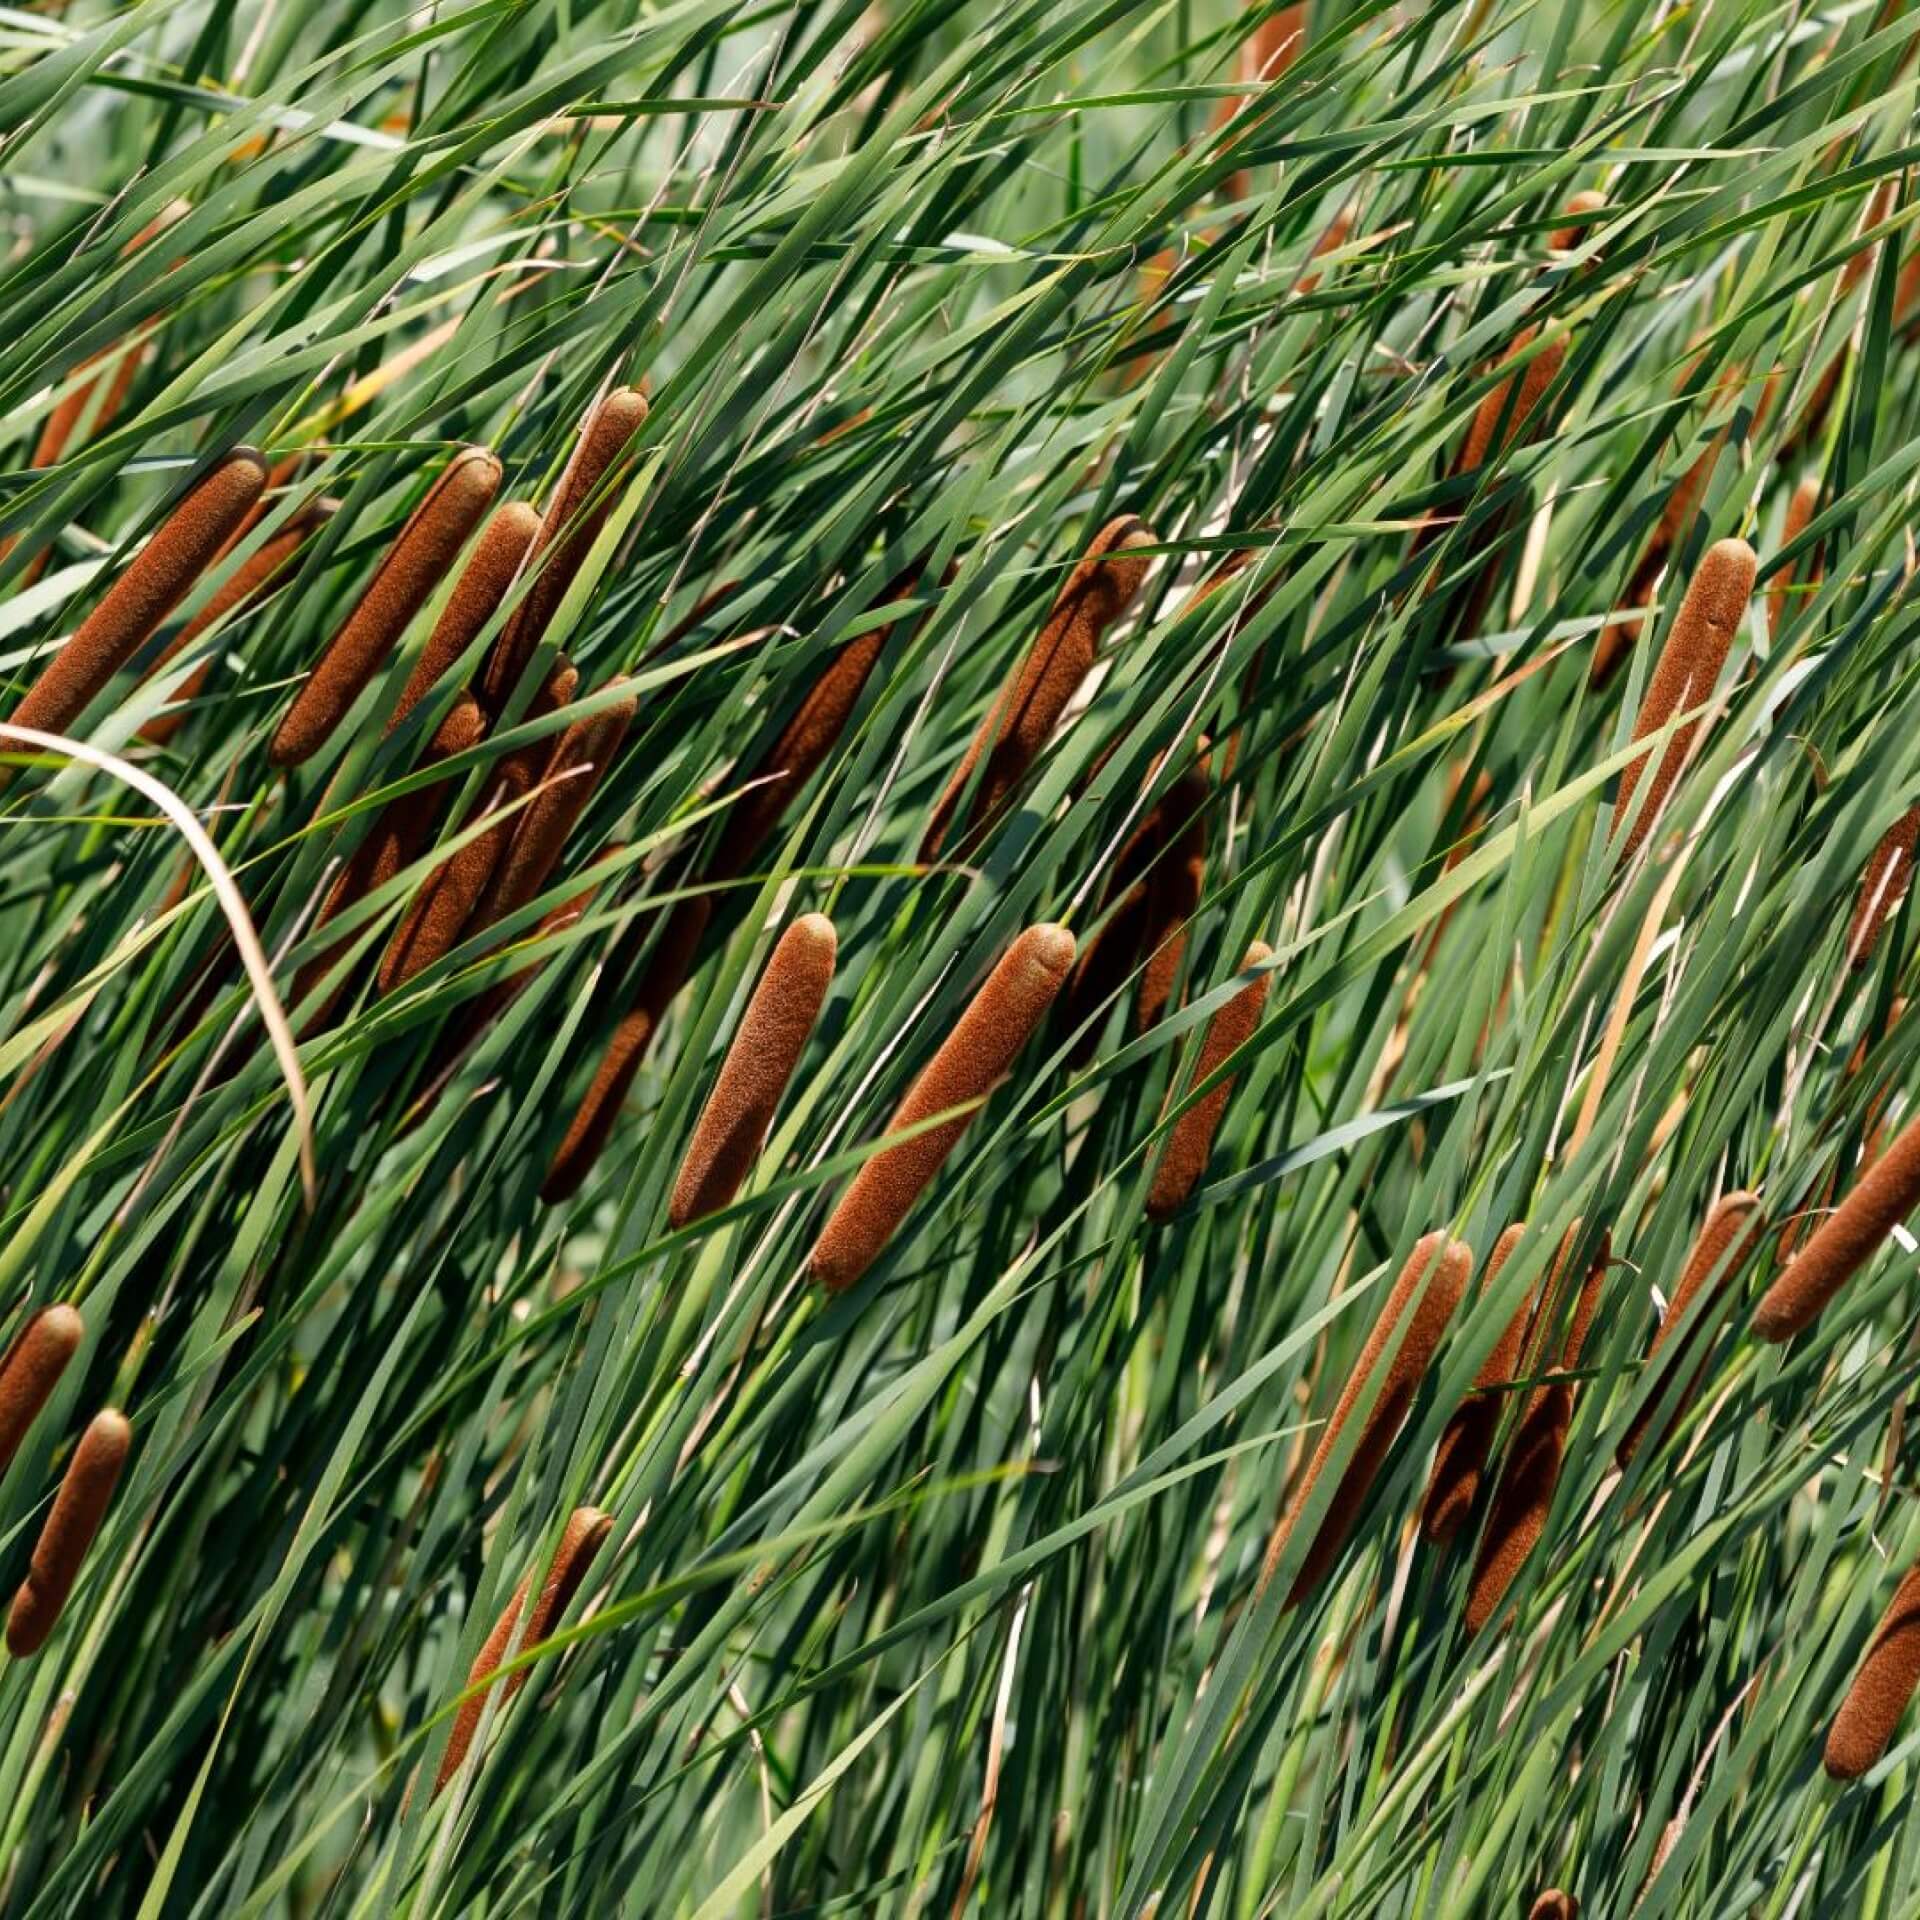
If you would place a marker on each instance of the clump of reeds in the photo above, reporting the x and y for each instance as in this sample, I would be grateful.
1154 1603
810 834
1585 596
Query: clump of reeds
78 1508
666 971
1690 663
1882 1687
1460 1461
1190 1144
1024 715
1845 1241
585 1533
773 1034
1530 1472
1800 511
151 585
1883 886
572 520
1438 1268
1728 1235
965 1068
252 577
31 1370
402 584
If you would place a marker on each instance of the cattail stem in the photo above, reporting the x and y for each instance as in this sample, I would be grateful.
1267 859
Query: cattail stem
773 1034
1882 887
402 584
31 1370
78 1508
1729 1233
152 584
1438 1268
1190 1144
573 520
585 1533
964 1070
1882 1197
1023 717
1689 666
1881 1689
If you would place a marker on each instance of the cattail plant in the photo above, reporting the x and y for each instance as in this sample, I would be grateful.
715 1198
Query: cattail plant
964 1070
773 1034
1882 1686
667 968
1729 1233
1882 887
402 584
1845 1241
1190 1144
1688 668
573 519
1023 717
581 1539
1460 1461
1555 1905
78 1508
1800 511
437 917
1438 1268
1530 1473
31 1370
1264 56
151 585
1174 884
1579 214
248 581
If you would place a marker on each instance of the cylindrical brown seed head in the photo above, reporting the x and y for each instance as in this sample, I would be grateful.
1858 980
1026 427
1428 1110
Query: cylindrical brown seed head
1846 1240
1513 418
1461 1458
667 968
773 1034
1444 1267
1555 1905
251 577
1727 1236
31 1371
1579 214
1800 511
78 1508
1190 1143
152 584
402 584
1882 887
1175 883
1881 1688
491 568
1024 715
585 1533
573 519
965 1068
1689 665
586 750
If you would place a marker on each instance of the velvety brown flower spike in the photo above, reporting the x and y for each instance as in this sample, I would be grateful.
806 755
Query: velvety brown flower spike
78 1508
31 1370
982 1044
1882 887
1881 1688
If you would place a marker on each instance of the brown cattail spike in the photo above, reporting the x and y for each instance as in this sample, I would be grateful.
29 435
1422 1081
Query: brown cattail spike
1444 1267
1024 715
773 1034
1190 1143
1505 420
1555 1905
573 519
1882 887
1689 665
1579 214
402 584
1881 1688
78 1508
1174 883
153 583
1726 1238
1882 1197
585 1533
1800 511
31 1371
965 1068
1530 1474
1461 1459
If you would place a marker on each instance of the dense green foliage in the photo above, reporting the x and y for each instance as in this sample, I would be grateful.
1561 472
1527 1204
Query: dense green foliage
944 1594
